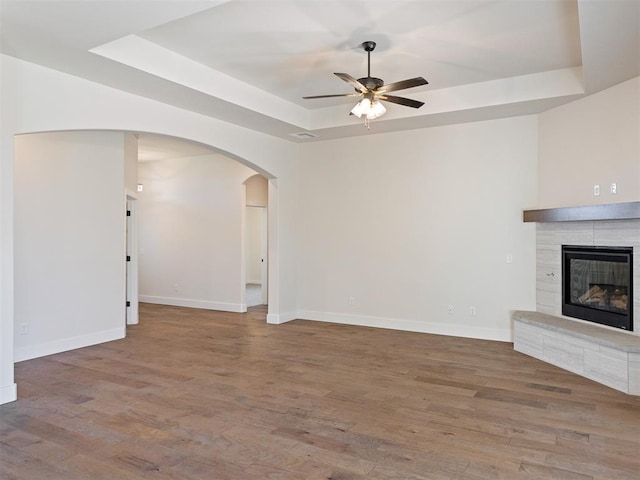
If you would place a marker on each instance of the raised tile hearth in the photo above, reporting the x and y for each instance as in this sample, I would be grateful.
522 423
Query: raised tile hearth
601 354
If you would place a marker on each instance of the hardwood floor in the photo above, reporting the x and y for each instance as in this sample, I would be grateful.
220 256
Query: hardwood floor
195 394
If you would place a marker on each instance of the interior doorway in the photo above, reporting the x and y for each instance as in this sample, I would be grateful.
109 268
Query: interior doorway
256 256
256 241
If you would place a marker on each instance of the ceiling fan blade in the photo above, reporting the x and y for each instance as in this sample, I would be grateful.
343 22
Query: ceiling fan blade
407 102
336 95
409 83
349 79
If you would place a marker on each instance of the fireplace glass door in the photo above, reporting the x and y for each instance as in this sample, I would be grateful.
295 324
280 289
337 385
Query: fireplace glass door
597 285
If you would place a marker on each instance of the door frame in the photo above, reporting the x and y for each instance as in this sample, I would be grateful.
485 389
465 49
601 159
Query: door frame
131 251
264 252
264 256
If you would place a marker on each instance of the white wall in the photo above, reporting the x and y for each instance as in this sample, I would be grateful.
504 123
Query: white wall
37 99
409 223
592 141
190 218
69 241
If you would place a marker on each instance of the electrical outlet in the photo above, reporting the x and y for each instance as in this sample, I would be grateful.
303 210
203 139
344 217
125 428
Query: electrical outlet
614 188
472 311
449 309
352 301
509 258
596 190
176 287
24 329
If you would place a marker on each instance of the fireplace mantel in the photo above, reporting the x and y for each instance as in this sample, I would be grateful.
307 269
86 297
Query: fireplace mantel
611 211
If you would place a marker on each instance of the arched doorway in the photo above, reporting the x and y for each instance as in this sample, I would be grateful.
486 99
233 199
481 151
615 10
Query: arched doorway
209 196
45 195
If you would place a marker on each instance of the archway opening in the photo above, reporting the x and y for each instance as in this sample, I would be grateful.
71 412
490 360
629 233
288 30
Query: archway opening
108 182
190 187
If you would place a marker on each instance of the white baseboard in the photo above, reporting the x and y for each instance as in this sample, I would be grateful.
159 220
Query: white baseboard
467 331
8 393
49 348
184 302
279 318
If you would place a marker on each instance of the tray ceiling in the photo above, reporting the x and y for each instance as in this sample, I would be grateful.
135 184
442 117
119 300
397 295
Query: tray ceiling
250 62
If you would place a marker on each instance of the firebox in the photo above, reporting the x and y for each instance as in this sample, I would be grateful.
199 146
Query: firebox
597 284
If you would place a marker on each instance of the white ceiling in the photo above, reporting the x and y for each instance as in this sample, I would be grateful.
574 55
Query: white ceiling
250 62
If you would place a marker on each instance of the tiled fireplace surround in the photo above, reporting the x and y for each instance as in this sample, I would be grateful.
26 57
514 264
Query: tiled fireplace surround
551 236
603 354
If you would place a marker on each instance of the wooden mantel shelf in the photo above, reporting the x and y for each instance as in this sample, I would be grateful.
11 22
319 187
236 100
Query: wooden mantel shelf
612 211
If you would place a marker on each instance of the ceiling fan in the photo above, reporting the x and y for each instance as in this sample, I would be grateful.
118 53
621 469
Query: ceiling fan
371 90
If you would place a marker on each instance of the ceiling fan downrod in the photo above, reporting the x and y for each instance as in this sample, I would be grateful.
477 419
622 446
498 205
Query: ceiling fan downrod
369 47
370 82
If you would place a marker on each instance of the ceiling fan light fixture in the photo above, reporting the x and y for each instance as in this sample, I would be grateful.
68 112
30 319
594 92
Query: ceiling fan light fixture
362 107
376 110
369 109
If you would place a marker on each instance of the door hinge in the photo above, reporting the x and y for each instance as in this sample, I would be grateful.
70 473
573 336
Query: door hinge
128 258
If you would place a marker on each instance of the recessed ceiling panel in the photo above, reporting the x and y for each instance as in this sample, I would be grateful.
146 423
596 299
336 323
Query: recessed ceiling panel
291 49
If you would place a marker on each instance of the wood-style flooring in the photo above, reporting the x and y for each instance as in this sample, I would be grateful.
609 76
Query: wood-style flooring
195 394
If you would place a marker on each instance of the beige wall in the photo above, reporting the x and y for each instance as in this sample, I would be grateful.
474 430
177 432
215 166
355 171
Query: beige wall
253 244
69 248
257 191
396 227
190 218
257 199
592 141
130 162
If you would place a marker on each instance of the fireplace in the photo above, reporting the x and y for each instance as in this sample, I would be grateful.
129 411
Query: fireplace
597 284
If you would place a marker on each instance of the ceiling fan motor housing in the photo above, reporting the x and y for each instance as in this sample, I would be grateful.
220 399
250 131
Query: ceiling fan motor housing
369 46
371 82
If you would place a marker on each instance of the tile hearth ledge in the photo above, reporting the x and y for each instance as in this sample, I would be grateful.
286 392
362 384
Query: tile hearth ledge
601 354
